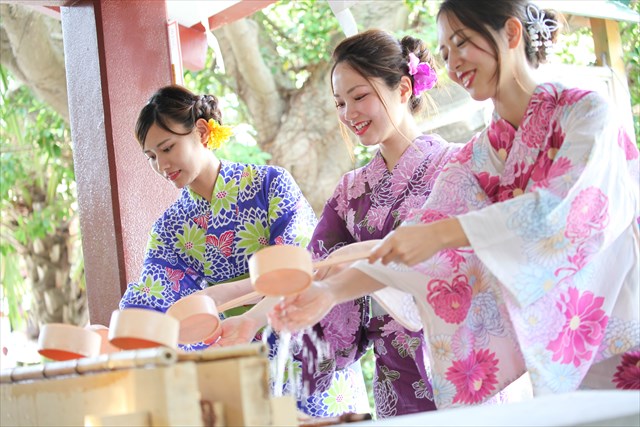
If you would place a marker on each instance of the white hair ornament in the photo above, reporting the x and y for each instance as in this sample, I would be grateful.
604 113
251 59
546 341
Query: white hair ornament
540 29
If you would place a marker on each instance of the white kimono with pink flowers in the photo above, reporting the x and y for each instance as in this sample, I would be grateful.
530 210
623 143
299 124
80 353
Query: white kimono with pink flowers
550 284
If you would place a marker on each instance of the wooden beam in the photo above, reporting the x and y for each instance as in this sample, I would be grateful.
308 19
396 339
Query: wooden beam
239 10
116 56
608 50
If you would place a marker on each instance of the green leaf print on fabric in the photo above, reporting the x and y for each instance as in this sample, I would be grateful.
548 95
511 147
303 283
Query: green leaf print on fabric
224 195
303 233
247 177
207 268
150 287
253 237
192 241
275 208
154 242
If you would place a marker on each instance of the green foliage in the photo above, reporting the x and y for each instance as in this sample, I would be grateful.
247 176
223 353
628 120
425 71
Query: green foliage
630 36
301 32
37 182
368 363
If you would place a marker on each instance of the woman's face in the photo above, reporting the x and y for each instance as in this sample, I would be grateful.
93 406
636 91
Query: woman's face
468 58
360 108
174 157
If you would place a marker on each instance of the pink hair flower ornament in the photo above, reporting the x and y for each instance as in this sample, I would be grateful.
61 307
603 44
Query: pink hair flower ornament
217 134
424 77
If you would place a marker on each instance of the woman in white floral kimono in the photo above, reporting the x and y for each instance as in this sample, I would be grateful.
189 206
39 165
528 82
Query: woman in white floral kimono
226 211
525 256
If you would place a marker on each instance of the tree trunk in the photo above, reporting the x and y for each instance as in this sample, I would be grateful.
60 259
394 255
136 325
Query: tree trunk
31 48
299 128
57 297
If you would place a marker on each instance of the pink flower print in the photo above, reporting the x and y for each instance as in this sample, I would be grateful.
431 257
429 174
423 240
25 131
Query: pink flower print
501 135
451 302
342 206
489 184
536 124
377 216
522 172
463 342
571 96
583 330
409 203
588 212
391 328
351 222
357 186
630 149
627 376
547 156
438 266
340 324
556 170
456 257
465 153
401 175
474 378
429 215
375 170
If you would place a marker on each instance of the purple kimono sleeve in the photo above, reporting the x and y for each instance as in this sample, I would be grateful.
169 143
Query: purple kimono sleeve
342 333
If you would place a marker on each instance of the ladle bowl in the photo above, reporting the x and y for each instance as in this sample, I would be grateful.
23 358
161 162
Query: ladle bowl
59 341
283 270
199 317
138 328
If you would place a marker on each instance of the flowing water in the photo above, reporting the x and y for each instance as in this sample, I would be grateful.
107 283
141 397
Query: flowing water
282 365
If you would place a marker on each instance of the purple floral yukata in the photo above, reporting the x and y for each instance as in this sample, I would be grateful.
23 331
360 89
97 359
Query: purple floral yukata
367 204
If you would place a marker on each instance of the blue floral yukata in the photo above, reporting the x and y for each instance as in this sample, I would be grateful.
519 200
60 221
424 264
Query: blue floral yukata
196 243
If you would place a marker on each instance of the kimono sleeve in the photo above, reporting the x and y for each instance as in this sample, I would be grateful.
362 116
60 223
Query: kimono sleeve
164 276
291 217
553 230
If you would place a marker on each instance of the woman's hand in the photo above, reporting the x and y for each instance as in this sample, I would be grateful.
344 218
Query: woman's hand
412 244
237 330
324 272
302 310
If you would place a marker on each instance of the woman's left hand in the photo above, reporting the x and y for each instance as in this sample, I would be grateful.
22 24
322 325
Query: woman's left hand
412 244
237 330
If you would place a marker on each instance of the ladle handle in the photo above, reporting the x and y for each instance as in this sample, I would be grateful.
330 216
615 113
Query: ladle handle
238 301
341 259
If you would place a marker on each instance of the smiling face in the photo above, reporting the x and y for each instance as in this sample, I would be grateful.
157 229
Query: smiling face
361 109
468 57
177 158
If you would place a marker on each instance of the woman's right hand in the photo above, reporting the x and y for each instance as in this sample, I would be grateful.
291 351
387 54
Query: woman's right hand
302 310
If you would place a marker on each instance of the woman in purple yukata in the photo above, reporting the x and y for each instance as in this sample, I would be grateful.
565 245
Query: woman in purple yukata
525 255
379 84
226 211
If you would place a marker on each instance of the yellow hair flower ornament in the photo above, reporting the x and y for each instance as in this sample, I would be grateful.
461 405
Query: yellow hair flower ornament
217 134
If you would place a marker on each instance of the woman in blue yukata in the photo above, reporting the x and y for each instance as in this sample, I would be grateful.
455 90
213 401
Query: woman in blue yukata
226 211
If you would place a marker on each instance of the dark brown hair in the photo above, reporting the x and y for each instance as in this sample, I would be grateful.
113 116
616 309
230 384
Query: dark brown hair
175 105
378 54
482 15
